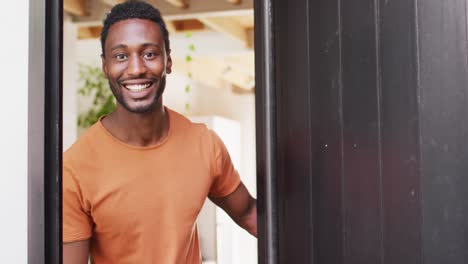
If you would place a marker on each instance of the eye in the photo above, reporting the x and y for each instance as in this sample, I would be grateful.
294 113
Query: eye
149 55
120 57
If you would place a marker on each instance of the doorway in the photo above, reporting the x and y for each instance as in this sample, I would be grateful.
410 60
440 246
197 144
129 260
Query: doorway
213 82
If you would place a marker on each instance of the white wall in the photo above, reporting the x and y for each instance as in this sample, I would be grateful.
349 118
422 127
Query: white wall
14 131
70 77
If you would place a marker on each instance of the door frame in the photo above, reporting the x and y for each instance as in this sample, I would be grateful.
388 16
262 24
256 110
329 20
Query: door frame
45 132
265 119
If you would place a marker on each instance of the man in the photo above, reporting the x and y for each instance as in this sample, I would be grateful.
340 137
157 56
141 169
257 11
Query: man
134 183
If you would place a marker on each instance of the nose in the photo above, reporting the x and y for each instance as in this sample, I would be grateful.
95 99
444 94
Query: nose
136 66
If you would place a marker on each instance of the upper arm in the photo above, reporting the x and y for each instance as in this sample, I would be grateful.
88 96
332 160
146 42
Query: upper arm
225 178
236 204
76 252
77 222
228 191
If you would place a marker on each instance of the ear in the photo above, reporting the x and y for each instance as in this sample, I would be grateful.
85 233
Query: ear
104 65
169 62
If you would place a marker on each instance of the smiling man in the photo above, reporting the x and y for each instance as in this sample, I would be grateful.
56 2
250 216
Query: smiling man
134 183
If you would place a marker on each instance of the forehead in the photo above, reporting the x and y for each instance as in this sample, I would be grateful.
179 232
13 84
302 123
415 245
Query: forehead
133 32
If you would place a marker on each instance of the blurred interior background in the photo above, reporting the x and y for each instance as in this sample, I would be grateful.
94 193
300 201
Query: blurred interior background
213 81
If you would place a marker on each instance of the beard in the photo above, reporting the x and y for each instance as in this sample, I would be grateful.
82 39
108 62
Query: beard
140 109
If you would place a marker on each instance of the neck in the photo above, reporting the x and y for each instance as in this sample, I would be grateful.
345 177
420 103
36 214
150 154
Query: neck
138 129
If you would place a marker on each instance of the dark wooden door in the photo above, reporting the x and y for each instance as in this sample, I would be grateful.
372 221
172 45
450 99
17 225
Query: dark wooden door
362 120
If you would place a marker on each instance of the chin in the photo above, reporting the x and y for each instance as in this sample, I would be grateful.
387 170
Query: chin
140 108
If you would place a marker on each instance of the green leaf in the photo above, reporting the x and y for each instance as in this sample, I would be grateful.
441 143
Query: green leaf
188 58
192 47
187 88
96 87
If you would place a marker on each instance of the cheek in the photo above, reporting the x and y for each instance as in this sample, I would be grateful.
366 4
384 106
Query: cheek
116 70
156 66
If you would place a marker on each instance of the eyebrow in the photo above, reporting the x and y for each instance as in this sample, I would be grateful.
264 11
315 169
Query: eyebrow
118 46
151 44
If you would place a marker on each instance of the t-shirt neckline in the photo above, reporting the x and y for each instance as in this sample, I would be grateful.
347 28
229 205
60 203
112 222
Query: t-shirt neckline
109 135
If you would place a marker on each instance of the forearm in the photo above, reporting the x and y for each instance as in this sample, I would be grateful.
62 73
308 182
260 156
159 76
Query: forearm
76 252
248 220
241 207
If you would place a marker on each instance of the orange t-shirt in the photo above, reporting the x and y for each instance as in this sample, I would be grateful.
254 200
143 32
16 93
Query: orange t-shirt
139 204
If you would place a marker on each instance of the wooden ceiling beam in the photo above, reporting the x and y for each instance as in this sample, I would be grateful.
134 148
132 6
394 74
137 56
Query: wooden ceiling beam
201 7
179 3
112 2
188 25
241 91
97 9
228 26
171 27
238 77
236 2
250 37
75 7
93 32
216 72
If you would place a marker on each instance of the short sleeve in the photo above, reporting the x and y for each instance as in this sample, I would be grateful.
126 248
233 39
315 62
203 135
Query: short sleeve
226 178
77 223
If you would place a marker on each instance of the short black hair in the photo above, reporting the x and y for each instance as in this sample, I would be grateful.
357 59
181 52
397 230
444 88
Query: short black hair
134 9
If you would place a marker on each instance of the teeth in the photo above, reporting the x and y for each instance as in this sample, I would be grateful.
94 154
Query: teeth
137 87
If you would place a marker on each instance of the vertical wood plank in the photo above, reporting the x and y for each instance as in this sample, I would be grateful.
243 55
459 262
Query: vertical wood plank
326 120
294 132
444 130
361 134
400 133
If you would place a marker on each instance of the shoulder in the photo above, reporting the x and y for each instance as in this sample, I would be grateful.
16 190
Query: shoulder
183 125
194 134
83 148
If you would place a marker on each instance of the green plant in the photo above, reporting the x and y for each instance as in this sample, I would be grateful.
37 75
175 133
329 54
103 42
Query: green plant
95 87
188 60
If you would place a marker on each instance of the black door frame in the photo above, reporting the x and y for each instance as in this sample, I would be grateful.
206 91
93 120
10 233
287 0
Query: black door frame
265 109
45 132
